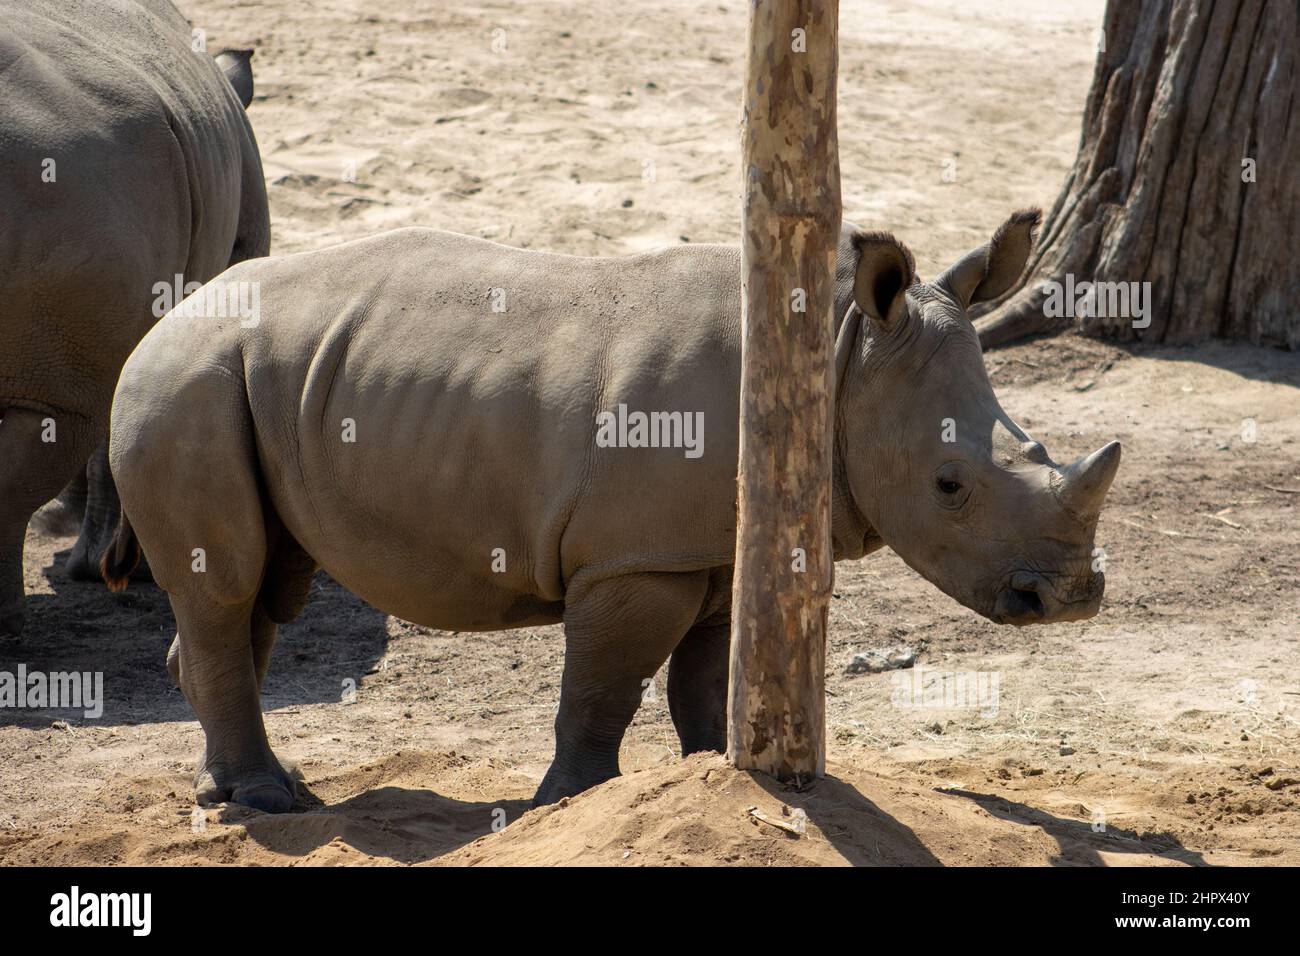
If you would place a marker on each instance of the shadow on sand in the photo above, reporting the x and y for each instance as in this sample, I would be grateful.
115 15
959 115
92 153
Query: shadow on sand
84 628
1078 843
394 823
859 830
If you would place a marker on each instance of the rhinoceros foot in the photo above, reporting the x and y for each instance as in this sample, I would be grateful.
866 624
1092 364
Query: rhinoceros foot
83 564
557 785
270 789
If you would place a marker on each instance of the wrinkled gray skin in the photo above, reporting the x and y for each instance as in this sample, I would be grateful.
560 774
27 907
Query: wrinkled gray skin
156 173
475 431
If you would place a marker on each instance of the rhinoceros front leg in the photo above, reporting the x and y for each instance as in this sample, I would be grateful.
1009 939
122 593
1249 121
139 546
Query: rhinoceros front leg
697 687
617 634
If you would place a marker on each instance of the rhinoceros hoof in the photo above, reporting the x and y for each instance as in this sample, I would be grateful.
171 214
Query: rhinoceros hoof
270 792
268 797
81 566
556 786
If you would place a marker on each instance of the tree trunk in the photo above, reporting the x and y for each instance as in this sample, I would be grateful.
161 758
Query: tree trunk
1187 178
782 584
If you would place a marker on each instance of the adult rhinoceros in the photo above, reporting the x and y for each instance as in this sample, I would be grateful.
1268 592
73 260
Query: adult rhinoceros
126 160
430 418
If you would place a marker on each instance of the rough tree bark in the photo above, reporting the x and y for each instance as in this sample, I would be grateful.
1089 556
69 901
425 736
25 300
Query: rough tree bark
782 584
1187 177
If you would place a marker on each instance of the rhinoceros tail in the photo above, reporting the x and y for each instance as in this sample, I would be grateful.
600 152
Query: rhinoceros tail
121 557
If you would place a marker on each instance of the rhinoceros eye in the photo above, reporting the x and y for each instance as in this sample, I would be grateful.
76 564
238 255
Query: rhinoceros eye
952 485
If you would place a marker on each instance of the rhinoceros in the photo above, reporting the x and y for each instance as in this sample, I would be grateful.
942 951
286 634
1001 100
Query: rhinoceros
126 161
450 428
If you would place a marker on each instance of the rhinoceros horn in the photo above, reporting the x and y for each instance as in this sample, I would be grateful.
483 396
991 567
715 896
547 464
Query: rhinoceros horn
1084 484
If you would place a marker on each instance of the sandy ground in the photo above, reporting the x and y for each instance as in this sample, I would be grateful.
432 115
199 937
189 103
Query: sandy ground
1165 731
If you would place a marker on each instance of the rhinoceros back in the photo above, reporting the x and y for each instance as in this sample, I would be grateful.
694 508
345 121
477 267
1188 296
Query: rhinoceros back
121 164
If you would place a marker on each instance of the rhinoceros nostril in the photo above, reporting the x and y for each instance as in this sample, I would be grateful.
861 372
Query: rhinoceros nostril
1029 600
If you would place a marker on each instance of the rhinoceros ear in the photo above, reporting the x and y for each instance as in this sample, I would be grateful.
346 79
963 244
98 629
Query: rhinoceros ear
987 272
239 71
885 271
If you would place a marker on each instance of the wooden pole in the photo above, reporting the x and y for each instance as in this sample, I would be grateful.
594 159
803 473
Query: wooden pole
782 585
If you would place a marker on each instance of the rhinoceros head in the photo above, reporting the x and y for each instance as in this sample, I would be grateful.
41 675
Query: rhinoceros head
927 461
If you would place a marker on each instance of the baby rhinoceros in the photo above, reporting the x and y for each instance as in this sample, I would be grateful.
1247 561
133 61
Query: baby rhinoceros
474 437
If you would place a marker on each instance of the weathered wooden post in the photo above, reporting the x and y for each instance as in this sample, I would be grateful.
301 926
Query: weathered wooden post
781 593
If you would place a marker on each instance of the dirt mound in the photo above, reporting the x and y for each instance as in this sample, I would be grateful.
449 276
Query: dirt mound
701 811
379 813
449 810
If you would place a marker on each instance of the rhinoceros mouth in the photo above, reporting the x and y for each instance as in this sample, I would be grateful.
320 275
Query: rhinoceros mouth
1029 597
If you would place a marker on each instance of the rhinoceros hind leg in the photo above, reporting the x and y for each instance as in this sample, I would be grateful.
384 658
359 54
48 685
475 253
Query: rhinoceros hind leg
617 634
200 517
219 677
65 513
39 454
697 687
99 521
285 589
287 584
264 634
223 645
